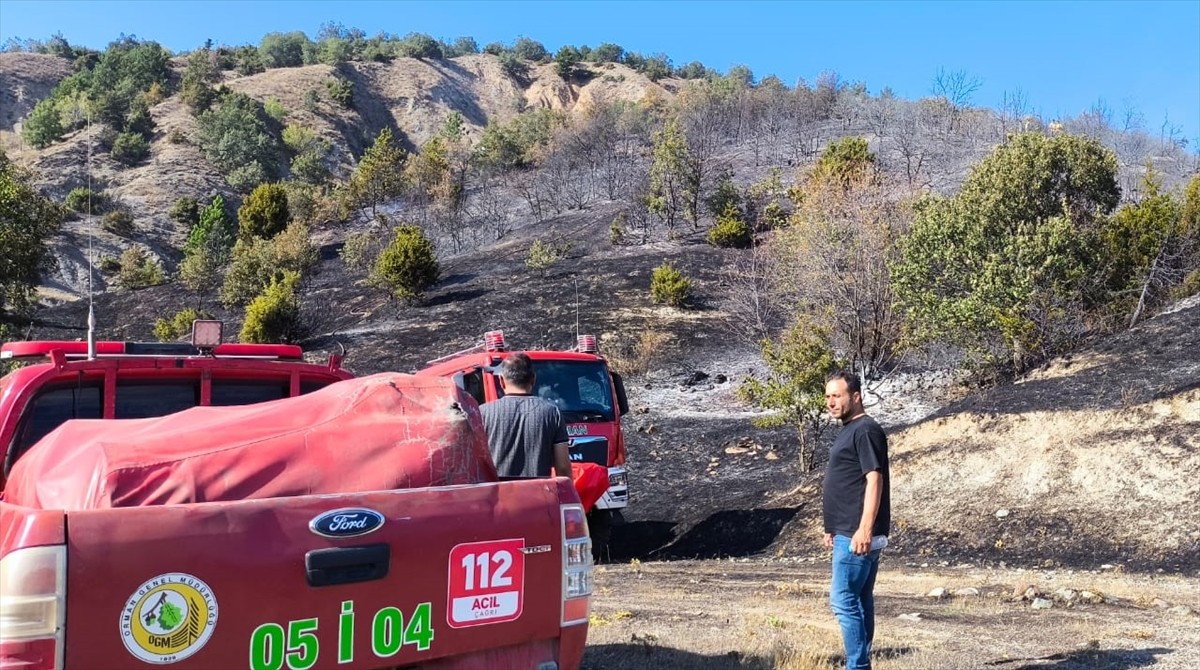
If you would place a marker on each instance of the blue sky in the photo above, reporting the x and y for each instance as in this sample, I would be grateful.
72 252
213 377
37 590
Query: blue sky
1064 55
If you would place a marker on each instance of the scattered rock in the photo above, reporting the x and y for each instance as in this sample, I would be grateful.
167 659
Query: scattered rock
1090 597
911 616
1042 604
1001 513
735 450
720 379
1108 566
1182 610
696 378
968 592
771 456
1160 603
1066 595
937 593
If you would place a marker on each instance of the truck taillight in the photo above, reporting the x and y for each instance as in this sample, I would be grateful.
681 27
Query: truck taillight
33 608
577 566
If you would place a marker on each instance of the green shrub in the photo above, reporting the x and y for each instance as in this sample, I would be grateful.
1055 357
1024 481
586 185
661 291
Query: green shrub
616 230
274 109
724 197
110 265
531 50
773 216
419 45
185 211
311 98
543 256
730 231
77 201
274 316
514 66
248 61
245 178
408 266
264 212
43 126
211 228
360 250
176 136
1189 287
845 161
118 222
283 49
234 135
138 269
669 286
179 325
256 262
341 91
130 148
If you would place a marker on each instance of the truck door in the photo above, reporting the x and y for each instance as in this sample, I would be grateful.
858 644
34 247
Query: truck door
356 581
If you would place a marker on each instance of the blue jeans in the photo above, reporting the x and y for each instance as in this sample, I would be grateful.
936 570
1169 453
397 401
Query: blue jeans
851 595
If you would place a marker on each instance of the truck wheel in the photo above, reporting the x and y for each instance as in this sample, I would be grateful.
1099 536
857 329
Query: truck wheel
600 527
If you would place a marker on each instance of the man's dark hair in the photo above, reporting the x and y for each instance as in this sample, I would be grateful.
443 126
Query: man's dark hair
517 369
853 384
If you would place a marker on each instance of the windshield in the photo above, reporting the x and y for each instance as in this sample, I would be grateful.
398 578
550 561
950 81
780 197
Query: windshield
581 390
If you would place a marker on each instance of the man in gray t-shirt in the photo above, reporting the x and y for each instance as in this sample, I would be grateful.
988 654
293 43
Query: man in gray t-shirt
526 434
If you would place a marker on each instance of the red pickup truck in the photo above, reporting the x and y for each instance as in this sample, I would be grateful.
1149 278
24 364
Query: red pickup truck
122 547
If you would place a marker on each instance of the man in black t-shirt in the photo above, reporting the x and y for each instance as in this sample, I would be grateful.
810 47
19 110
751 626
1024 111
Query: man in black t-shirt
526 434
857 513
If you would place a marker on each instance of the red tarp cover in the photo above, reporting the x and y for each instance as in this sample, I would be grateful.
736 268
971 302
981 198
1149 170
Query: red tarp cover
386 431
591 481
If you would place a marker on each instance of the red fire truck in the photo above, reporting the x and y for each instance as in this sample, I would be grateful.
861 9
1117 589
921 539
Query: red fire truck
590 396
348 523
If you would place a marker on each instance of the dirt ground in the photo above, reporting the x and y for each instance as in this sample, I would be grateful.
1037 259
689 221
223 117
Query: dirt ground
770 614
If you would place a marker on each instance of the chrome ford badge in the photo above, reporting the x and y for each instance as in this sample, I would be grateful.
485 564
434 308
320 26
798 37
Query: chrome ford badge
346 522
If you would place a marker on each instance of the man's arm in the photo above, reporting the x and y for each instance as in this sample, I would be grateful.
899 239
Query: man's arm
861 542
562 459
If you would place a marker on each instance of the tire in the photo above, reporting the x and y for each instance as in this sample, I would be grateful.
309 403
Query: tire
600 527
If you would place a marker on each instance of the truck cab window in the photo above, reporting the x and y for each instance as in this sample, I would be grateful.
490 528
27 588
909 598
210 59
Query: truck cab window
54 406
144 400
230 392
472 381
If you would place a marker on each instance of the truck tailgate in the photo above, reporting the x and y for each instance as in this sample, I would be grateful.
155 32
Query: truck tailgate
296 583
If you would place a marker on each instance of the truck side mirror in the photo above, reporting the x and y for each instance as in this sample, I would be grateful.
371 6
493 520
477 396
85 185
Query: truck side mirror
622 399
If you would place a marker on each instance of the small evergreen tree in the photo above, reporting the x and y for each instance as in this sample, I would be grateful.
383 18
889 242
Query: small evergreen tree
669 286
795 385
730 230
408 266
274 316
264 213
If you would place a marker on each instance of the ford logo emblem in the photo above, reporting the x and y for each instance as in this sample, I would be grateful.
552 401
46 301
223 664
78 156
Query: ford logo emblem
347 522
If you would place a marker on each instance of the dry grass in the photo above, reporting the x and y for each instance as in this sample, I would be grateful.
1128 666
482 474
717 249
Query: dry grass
726 615
639 355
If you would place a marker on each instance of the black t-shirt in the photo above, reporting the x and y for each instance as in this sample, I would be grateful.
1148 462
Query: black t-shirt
860 448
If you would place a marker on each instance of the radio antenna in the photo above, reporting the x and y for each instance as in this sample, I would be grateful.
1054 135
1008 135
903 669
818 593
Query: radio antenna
91 316
575 279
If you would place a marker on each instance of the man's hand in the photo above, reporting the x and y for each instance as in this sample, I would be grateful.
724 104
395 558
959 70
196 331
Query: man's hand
828 541
860 544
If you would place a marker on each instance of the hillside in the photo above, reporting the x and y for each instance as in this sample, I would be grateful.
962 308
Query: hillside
410 96
25 78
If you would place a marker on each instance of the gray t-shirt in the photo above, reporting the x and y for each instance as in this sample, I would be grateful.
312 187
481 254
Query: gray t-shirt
522 430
